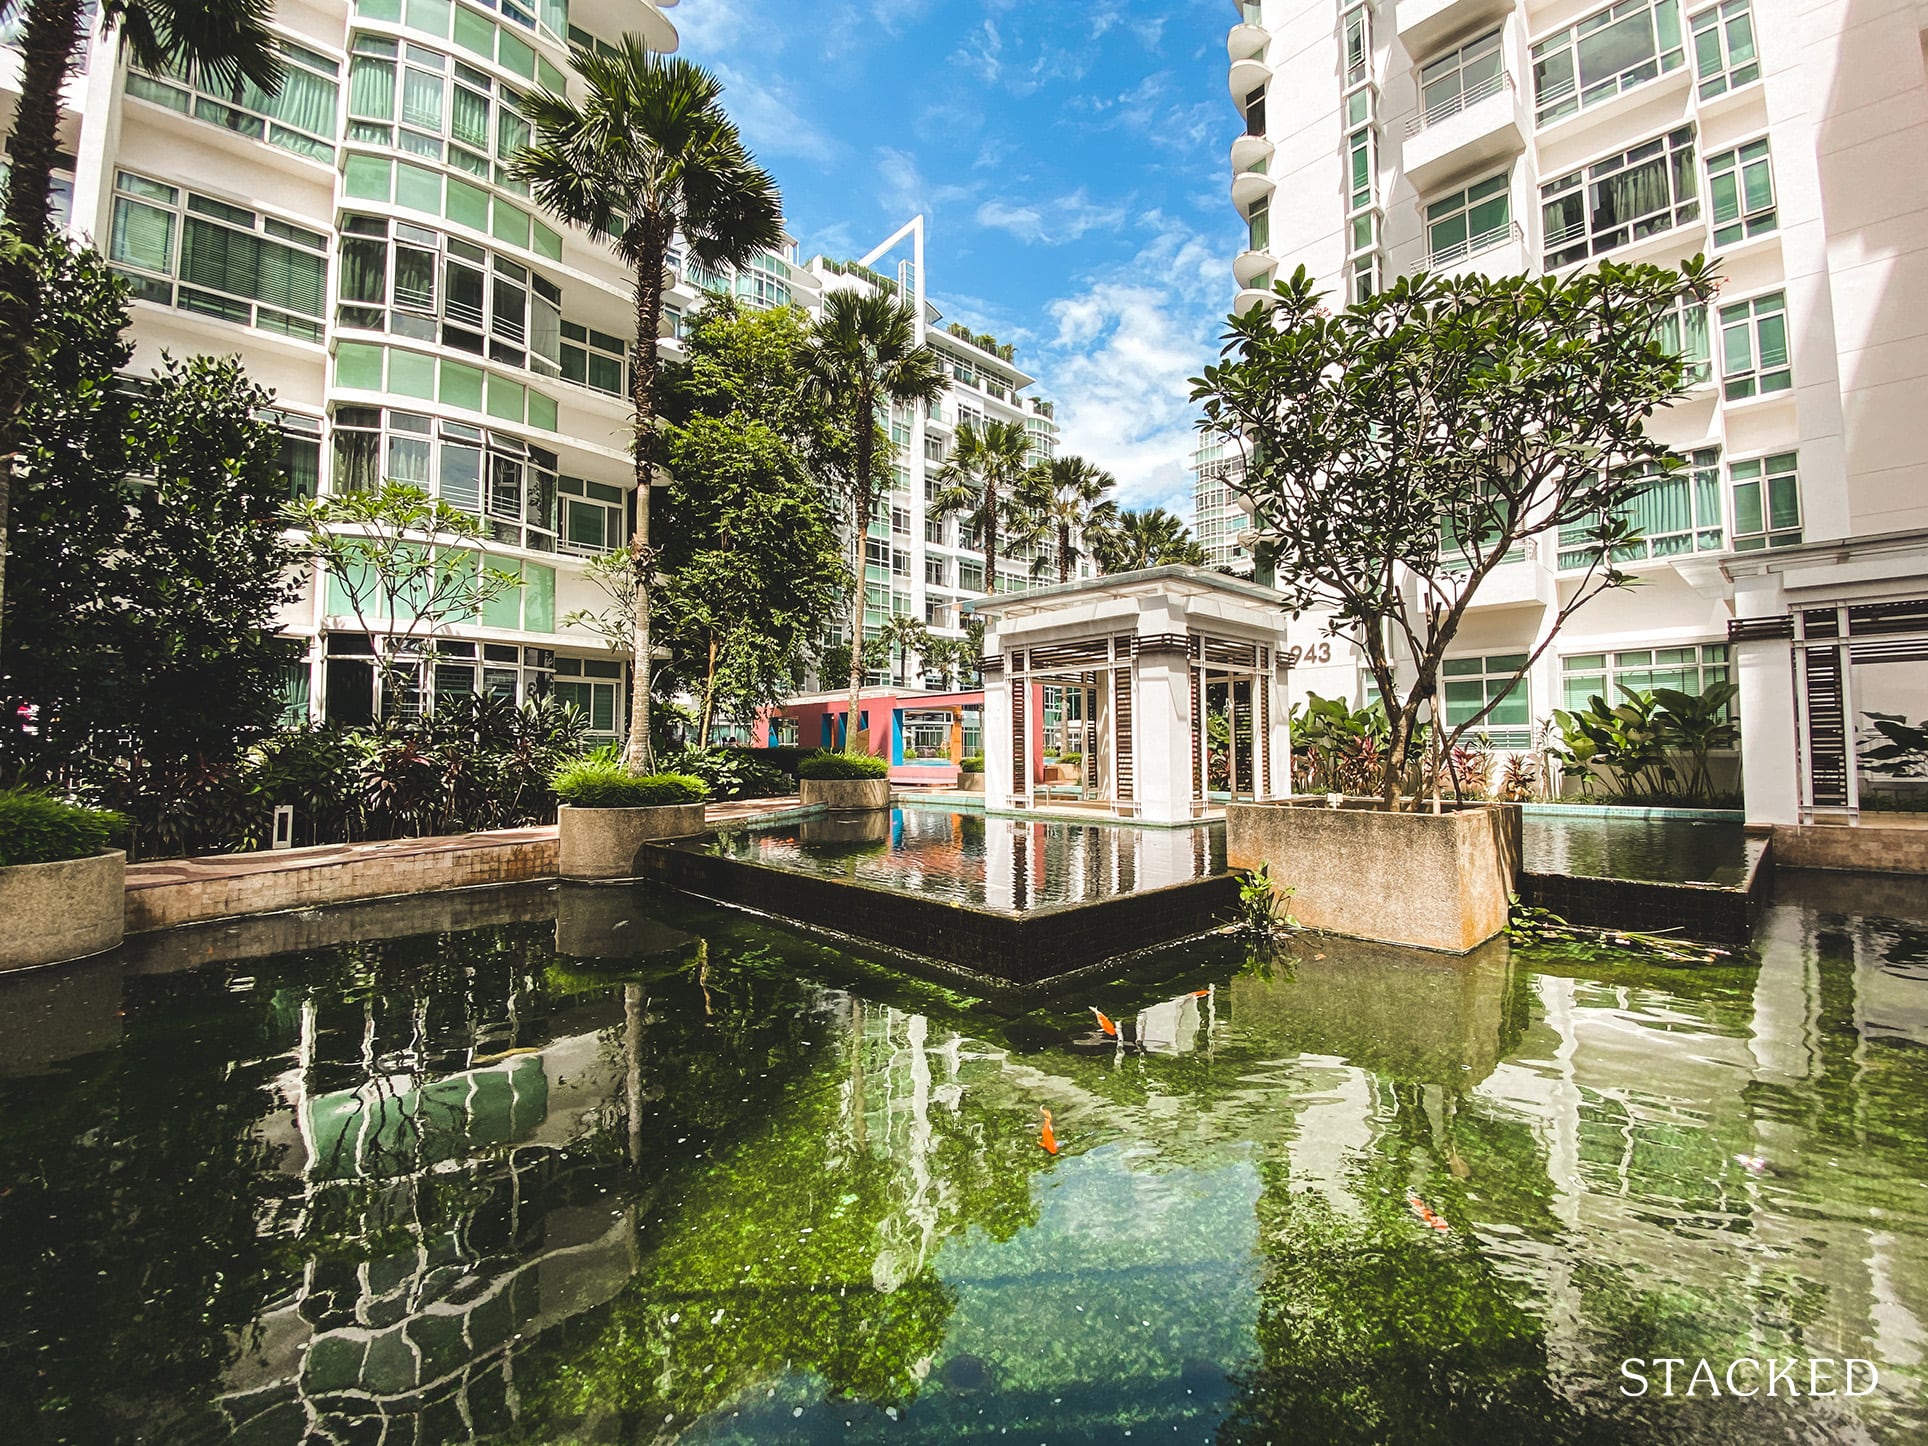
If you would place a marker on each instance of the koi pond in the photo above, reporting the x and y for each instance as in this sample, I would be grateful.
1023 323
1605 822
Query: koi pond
413 1173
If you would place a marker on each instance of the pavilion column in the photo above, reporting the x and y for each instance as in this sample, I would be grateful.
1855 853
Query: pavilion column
1163 727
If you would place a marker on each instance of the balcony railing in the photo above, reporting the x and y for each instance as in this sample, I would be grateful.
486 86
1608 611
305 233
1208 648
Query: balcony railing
1454 104
1473 245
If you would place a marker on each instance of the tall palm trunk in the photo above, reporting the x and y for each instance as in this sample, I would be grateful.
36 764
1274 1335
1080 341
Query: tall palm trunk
866 439
639 754
990 538
1064 552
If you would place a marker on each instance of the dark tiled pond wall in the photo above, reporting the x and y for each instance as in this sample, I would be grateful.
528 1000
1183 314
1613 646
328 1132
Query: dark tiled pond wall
1697 911
1024 948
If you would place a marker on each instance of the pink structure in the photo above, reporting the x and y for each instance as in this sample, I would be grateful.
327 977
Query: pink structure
924 735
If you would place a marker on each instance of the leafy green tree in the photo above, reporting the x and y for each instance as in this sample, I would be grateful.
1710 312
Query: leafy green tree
149 559
981 482
649 153
1063 502
864 355
905 635
228 39
752 566
1152 537
1402 448
406 563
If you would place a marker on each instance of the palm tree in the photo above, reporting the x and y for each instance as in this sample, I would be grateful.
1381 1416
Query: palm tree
864 354
1064 501
228 39
980 481
906 634
1149 538
650 152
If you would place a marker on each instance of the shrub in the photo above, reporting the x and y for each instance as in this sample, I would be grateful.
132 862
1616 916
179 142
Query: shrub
596 783
973 764
784 757
732 773
828 766
37 828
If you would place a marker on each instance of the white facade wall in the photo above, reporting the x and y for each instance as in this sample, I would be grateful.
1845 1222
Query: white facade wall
1839 96
160 143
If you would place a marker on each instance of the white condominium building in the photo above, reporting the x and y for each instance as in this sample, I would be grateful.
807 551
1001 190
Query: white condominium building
358 240
1393 136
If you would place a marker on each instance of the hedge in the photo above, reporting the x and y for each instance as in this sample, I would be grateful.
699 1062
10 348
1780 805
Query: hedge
843 765
598 783
973 764
37 828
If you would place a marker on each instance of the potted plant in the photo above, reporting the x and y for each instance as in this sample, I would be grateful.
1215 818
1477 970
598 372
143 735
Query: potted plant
1402 445
607 815
63 891
970 774
844 780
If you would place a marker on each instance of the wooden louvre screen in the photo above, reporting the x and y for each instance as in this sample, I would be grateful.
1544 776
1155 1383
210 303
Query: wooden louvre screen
1263 742
1121 745
1198 733
1020 717
1826 728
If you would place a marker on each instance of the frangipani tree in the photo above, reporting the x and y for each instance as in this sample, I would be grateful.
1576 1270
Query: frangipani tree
649 152
1402 449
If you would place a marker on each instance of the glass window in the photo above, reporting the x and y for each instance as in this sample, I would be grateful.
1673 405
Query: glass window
1724 54
1740 192
1469 221
1470 684
1358 29
1461 78
1259 226
592 515
1767 502
1692 668
1683 331
1676 514
1359 154
300 117
1753 347
1610 51
1640 192
231 263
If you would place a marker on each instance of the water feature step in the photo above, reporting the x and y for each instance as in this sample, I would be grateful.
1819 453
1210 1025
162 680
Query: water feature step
1030 946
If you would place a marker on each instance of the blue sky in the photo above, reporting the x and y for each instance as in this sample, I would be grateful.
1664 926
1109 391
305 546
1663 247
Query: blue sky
1069 159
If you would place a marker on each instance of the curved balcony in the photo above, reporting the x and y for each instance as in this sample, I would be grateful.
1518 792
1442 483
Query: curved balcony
1249 187
1246 39
1250 151
1248 75
1251 296
1475 128
619 17
1254 268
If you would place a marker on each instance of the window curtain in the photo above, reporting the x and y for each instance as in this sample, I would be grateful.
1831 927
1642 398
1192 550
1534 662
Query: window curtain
371 88
364 270
142 235
305 101
1635 192
357 463
461 477
422 99
469 118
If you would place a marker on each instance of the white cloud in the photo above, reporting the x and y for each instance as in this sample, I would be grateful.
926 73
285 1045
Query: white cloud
1060 221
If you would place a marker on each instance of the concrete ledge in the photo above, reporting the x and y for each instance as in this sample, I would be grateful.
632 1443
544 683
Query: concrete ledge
1852 848
171 892
845 792
604 843
1423 880
52 913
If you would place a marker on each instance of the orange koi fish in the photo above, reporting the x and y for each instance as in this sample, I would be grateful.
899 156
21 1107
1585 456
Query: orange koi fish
1047 1137
1104 1023
1426 1214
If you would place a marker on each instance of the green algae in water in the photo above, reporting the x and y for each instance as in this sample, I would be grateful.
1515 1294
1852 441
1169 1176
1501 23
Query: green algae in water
703 1178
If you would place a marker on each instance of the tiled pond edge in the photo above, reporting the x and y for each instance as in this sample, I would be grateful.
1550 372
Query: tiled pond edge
1708 912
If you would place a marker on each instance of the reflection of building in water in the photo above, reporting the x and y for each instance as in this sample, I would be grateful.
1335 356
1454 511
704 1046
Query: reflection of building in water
457 1171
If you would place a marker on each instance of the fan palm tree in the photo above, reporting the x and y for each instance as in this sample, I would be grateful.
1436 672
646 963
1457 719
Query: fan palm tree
1064 502
906 634
1152 537
979 481
648 153
228 39
864 354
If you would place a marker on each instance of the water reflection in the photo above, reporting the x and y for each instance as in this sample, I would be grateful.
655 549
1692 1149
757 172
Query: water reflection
702 1177
988 860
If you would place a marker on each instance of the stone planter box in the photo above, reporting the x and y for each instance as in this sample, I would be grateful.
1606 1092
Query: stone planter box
1424 880
61 911
602 843
845 792
970 783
